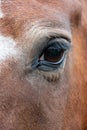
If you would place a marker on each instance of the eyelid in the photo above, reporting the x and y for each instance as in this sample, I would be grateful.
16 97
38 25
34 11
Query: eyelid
47 66
44 42
62 43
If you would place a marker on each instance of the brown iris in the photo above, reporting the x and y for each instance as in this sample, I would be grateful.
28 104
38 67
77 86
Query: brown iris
53 54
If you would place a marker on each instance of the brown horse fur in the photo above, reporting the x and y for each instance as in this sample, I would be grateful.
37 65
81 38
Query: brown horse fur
32 99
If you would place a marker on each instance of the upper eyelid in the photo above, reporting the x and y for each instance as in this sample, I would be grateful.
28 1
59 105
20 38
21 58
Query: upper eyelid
41 29
59 36
43 42
63 43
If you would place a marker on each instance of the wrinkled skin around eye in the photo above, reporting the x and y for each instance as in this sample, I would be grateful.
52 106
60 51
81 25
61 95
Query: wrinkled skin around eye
32 99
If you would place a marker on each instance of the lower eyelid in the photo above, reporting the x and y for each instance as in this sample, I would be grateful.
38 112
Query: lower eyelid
51 66
53 75
36 64
53 63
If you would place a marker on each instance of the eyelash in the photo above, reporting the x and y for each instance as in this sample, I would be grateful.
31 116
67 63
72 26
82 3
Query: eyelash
43 65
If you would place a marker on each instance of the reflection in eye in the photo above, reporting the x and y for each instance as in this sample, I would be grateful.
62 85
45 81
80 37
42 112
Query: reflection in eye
53 55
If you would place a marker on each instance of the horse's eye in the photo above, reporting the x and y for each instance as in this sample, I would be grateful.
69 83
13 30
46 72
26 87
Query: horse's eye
52 55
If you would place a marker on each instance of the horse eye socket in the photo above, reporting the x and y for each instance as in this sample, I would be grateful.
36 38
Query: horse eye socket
52 54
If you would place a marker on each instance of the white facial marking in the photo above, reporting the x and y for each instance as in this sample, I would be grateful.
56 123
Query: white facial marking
7 48
1 13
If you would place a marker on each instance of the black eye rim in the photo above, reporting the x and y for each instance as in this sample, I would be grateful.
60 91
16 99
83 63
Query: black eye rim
53 63
47 66
63 43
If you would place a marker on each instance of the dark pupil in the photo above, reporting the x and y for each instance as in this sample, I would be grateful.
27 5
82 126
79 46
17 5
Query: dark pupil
53 54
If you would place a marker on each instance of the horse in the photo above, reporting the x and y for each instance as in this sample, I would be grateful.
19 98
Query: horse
43 61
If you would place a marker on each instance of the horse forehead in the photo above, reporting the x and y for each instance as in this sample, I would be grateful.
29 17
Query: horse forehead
37 6
18 12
